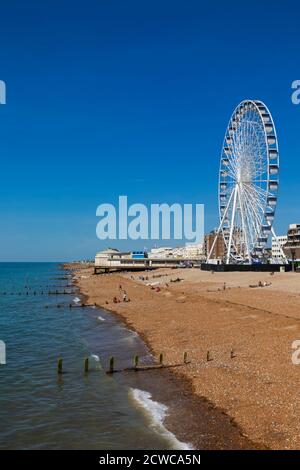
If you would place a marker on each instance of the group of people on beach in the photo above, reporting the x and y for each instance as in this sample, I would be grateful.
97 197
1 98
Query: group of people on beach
124 296
264 284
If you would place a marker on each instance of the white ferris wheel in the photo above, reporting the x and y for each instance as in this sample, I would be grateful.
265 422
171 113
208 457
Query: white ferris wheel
248 183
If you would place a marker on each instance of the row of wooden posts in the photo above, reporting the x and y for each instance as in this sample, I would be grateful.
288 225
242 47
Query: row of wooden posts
39 293
112 369
136 367
71 305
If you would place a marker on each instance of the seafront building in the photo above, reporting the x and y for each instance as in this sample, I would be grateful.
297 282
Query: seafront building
113 259
292 246
102 257
277 248
219 248
161 252
188 251
194 250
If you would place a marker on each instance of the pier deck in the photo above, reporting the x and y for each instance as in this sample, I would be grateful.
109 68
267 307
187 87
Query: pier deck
131 264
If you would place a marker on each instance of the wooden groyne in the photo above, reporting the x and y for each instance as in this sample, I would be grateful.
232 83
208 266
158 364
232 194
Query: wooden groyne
37 293
134 368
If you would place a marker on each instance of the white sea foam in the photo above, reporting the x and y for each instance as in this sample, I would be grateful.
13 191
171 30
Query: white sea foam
157 413
100 318
131 337
76 300
95 359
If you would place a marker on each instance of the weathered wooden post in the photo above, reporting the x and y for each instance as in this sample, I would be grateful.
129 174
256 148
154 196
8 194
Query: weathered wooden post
60 366
136 361
208 356
86 364
161 359
185 357
111 364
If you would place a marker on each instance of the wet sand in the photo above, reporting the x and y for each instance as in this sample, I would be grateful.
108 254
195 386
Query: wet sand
257 388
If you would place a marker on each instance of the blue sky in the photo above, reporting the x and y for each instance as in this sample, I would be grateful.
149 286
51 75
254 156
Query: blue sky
110 97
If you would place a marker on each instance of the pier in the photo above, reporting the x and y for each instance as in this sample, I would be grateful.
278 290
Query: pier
142 264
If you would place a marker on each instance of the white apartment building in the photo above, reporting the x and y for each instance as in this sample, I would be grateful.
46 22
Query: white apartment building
277 244
191 251
194 250
161 252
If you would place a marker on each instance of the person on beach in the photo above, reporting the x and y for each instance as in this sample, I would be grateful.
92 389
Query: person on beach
125 297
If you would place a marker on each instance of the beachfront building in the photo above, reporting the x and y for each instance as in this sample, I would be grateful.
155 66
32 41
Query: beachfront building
110 254
161 252
114 260
277 248
193 251
188 251
292 246
104 255
219 248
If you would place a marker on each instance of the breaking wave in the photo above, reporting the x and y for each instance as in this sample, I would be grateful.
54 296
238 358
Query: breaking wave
157 413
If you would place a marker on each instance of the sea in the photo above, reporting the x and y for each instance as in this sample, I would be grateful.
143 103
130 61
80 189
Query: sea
41 320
